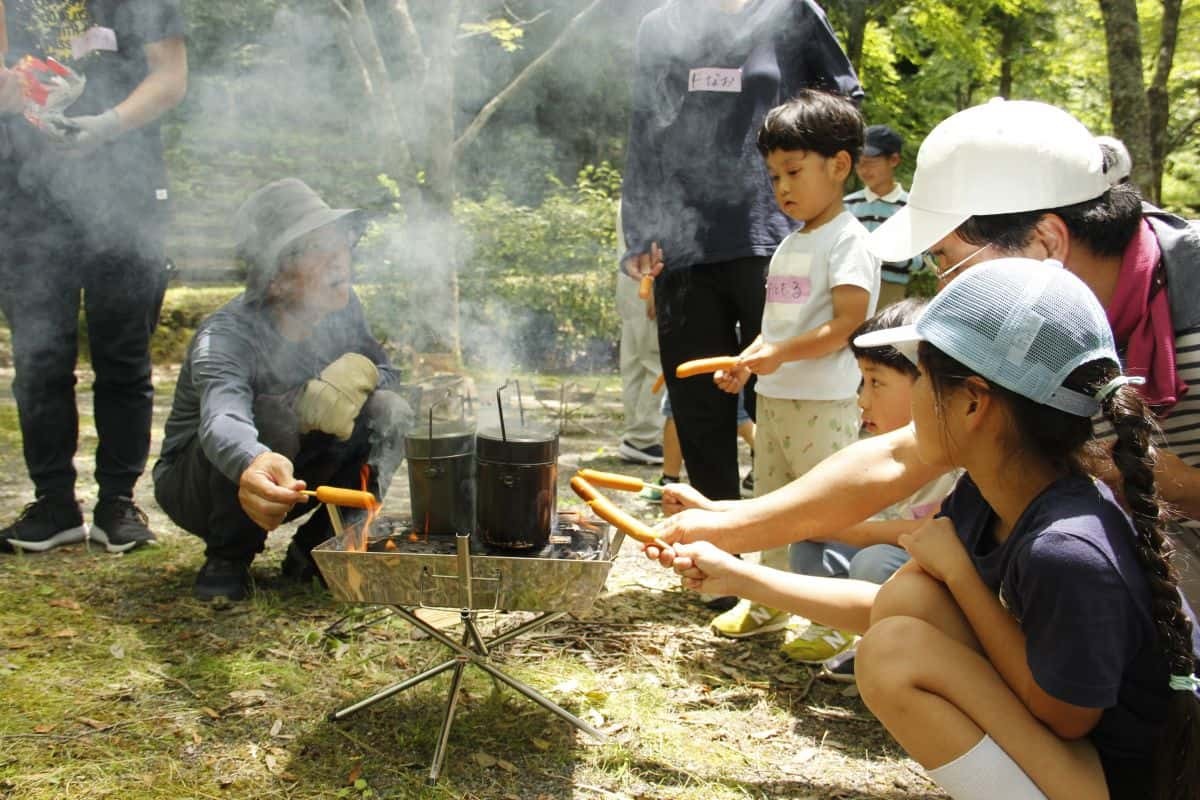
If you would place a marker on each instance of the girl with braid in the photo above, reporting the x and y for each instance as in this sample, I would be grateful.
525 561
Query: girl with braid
1036 645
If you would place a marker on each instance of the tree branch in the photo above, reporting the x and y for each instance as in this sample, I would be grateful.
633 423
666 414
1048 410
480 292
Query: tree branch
414 52
516 84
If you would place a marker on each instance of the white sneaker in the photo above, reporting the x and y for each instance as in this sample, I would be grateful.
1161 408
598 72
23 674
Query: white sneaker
651 454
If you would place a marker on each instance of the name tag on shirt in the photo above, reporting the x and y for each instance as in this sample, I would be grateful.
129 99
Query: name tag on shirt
94 38
788 284
714 79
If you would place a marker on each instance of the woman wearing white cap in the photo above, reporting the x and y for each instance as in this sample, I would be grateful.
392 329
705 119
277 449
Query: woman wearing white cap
1037 646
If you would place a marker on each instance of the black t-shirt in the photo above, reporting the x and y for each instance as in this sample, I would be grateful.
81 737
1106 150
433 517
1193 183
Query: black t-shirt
1070 576
103 40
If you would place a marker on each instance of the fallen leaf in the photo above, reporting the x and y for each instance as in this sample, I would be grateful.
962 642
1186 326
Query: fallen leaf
287 776
94 723
117 651
65 602
245 698
210 712
355 772
277 727
272 764
540 744
43 728
483 760
507 766
65 633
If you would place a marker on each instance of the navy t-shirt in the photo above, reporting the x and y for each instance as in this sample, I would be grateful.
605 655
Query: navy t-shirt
1069 574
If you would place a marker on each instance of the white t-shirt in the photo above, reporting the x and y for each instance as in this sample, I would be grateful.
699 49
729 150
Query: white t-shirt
803 272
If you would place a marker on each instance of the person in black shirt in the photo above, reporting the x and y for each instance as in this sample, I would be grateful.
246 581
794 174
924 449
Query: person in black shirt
84 198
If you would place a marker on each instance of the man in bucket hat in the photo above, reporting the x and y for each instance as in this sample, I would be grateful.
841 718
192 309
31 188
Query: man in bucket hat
282 388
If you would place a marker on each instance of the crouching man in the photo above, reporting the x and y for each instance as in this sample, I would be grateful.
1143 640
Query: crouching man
283 388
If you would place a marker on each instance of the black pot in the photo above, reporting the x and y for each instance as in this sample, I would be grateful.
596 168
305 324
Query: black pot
516 487
441 479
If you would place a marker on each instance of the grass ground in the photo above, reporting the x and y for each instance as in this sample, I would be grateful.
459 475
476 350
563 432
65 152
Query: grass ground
116 684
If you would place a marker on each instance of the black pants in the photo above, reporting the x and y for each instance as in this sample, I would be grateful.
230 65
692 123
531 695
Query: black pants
709 310
48 268
201 500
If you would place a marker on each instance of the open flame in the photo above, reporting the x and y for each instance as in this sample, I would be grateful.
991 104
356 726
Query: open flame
356 539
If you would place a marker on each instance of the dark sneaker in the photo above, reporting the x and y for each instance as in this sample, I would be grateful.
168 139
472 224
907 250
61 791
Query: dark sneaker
222 578
640 455
44 524
298 566
748 484
840 668
119 525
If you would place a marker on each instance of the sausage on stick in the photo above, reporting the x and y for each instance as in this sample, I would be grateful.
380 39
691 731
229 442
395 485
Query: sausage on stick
701 366
343 497
605 509
611 480
659 382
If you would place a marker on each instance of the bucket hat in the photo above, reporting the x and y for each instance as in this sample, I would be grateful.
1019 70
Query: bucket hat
1021 323
274 217
1001 157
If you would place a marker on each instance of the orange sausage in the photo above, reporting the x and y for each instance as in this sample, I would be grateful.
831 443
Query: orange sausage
604 508
611 480
344 497
659 382
700 366
646 286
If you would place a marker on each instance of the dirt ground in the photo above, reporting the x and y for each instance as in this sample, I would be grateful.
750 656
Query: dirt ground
118 684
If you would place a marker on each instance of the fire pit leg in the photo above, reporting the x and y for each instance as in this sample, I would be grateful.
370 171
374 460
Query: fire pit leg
439 753
395 688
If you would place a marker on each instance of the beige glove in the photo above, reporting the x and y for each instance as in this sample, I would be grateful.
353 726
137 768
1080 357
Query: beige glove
331 401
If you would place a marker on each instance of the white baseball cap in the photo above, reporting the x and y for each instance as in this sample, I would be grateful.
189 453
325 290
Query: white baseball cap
1021 323
1001 157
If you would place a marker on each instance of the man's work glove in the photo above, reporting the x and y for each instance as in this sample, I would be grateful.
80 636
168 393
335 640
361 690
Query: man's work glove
331 401
78 136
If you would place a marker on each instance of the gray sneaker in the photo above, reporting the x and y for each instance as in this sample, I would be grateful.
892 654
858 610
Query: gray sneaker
119 525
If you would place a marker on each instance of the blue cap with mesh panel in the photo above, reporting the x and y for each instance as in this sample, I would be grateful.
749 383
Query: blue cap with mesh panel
1021 323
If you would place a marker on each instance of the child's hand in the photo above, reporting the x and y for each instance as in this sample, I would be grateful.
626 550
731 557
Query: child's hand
937 550
704 567
761 358
732 380
678 497
650 263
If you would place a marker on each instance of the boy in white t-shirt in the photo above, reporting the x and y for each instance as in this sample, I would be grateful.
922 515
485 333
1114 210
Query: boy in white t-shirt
823 283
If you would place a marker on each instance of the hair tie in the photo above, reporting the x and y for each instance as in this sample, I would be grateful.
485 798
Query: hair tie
1185 683
1115 384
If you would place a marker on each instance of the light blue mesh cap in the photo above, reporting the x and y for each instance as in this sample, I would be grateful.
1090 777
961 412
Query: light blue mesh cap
1021 323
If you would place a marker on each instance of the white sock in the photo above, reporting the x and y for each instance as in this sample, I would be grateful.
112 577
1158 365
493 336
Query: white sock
985 772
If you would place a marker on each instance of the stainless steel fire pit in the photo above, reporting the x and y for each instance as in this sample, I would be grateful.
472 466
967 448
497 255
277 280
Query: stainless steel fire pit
406 571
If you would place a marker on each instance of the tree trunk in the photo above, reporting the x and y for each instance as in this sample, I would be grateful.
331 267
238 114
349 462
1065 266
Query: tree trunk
1010 32
856 31
1130 110
1157 97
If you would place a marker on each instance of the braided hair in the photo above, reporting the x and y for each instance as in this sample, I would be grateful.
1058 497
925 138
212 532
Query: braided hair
1067 442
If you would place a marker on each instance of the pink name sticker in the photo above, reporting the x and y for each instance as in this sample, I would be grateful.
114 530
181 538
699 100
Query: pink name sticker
94 38
788 288
714 79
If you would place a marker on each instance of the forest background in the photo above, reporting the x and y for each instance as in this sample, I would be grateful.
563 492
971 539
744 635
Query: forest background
489 138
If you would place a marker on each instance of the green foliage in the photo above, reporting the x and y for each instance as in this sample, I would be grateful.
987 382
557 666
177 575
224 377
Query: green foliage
506 34
535 282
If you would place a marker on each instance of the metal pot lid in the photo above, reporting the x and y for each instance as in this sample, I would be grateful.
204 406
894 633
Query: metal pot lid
449 439
517 445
